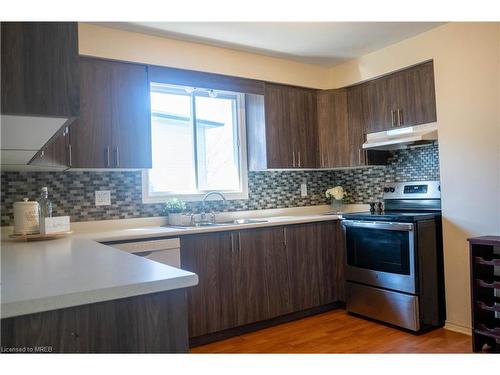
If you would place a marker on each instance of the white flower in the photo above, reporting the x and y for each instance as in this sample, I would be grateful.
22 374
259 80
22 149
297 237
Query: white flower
336 192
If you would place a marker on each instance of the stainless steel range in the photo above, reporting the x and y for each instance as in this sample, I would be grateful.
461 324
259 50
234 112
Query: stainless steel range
394 258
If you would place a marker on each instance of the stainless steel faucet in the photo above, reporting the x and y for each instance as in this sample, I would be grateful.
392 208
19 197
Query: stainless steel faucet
212 215
210 193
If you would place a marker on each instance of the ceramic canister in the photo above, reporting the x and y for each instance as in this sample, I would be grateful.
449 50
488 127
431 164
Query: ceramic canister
26 220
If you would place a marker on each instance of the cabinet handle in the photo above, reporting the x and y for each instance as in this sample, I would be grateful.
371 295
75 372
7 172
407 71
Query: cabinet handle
322 160
232 242
107 156
393 118
400 117
299 157
284 236
70 161
239 241
359 156
117 157
293 156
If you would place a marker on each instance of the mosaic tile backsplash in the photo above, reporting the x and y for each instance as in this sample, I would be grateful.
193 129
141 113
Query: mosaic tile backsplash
72 193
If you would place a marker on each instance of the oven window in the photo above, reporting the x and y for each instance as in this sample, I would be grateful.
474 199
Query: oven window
378 250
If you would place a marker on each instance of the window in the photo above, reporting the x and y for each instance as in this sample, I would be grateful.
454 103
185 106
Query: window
198 144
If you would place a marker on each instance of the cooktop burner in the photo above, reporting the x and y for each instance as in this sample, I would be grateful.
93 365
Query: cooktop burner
399 216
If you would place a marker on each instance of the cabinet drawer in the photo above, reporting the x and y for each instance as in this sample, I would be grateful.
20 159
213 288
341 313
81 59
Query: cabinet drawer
390 307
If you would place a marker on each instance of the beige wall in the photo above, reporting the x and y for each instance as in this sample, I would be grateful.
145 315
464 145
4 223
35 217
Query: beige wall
467 73
124 45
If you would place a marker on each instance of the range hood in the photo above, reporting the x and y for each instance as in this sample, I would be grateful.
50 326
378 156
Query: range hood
400 138
23 136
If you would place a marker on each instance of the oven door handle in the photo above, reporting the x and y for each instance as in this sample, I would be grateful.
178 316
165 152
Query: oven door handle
386 225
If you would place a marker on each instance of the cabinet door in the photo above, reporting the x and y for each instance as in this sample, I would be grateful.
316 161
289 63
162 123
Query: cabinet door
210 303
305 128
397 91
356 129
261 283
40 68
90 135
311 258
378 105
333 138
420 107
131 116
278 132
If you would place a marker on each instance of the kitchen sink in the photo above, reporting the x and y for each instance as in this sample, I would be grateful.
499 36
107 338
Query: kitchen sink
220 224
249 221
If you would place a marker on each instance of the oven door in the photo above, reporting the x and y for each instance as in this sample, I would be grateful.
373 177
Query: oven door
380 254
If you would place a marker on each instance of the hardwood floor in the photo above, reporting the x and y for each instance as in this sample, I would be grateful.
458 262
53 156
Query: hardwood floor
338 332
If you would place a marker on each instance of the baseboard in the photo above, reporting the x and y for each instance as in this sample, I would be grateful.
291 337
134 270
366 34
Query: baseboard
458 328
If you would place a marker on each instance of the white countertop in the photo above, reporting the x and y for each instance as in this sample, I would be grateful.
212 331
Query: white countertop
165 231
46 275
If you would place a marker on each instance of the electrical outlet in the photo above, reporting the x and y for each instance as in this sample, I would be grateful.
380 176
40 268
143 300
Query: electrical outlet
102 197
303 189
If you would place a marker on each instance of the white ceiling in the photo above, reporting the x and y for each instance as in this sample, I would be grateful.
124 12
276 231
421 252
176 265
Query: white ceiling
324 43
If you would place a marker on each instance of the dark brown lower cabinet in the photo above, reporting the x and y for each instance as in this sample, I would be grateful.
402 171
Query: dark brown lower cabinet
151 323
260 275
210 303
313 260
254 275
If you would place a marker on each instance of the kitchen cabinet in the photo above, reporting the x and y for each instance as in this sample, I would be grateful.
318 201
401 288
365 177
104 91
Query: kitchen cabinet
40 69
151 323
355 127
421 106
281 128
403 98
114 128
313 257
261 280
254 275
333 140
211 304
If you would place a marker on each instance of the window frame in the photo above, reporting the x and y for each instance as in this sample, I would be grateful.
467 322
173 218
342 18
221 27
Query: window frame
241 144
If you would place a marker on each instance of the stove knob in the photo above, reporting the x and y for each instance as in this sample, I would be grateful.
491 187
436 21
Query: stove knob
392 190
386 190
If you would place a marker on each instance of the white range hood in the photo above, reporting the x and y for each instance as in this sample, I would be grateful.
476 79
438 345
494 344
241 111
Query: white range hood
400 138
23 136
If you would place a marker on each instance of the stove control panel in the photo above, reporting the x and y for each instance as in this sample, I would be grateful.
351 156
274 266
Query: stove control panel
413 190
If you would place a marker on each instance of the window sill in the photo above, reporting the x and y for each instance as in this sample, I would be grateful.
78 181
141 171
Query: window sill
193 197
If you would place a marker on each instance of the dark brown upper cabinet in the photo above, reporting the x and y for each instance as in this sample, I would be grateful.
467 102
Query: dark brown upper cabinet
281 128
400 99
40 69
355 127
114 128
333 136
341 129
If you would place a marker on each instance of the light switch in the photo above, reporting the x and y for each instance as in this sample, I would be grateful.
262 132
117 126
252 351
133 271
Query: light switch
102 197
303 189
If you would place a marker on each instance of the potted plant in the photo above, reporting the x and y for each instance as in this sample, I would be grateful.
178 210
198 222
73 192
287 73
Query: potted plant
337 195
174 208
